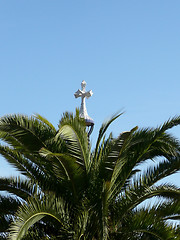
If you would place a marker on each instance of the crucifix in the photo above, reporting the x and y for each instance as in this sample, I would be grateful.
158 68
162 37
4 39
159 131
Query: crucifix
83 111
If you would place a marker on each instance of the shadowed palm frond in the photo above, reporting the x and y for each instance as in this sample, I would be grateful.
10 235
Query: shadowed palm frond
144 222
22 188
8 204
8 207
167 210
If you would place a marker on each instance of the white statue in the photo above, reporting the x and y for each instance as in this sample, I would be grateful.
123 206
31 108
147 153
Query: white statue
83 94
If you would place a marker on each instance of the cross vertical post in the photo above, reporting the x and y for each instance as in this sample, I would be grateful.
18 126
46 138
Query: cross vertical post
83 111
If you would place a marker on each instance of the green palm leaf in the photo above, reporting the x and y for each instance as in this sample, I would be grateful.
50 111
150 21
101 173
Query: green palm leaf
22 188
29 132
73 132
102 131
35 210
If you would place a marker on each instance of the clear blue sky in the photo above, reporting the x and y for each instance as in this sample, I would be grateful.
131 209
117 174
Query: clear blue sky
128 52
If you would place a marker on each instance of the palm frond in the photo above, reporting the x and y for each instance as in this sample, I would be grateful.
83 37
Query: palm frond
156 173
145 222
73 132
22 188
102 131
121 146
29 132
66 168
35 210
8 207
139 193
16 159
143 145
172 122
45 121
167 210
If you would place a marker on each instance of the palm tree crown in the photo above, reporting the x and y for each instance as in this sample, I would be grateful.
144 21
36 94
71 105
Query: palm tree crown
71 192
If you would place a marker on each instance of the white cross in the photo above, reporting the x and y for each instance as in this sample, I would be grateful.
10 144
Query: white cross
83 94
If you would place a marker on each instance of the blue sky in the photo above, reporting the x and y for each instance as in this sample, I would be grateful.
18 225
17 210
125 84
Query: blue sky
128 52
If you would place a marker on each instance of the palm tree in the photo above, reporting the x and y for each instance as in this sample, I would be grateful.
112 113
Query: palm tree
71 192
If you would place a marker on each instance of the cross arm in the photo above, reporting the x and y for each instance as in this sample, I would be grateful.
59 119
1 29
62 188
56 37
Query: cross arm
79 93
89 94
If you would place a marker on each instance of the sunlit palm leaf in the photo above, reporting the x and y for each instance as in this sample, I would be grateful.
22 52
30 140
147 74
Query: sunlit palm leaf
35 210
73 132
30 133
